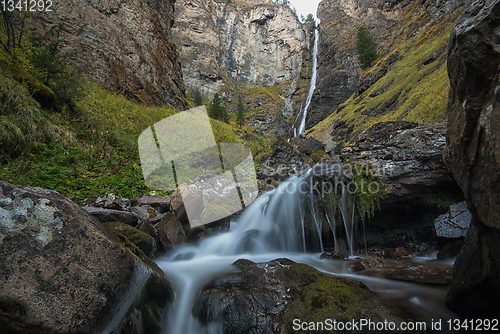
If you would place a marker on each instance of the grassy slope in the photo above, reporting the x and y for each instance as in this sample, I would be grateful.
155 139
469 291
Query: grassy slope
91 152
420 92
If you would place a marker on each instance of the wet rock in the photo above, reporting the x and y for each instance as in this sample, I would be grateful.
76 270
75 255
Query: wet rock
170 232
109 215
356 267
62 271
419 275
159 203
332 256
451 249
267 297
455 223
473 155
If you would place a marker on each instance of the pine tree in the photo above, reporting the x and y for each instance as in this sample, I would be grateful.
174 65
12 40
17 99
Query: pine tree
198 101
366 48
218 109
240 112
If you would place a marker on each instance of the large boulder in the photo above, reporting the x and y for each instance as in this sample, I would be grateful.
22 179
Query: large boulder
473 155
406 158
62 271
268 297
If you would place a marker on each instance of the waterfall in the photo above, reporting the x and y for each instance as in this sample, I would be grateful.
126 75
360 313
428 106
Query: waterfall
285 222
312 86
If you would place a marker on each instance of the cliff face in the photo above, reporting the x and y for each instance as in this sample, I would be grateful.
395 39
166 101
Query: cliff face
473 156
236 48
125 45
237 45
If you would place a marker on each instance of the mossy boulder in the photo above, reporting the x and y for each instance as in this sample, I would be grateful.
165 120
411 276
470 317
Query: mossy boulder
63 271
267 297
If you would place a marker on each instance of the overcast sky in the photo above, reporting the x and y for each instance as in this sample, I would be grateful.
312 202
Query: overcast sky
305 7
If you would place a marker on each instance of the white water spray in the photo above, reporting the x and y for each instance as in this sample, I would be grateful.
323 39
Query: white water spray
312 86
278 224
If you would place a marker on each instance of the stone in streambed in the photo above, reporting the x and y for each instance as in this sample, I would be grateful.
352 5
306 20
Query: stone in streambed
419 275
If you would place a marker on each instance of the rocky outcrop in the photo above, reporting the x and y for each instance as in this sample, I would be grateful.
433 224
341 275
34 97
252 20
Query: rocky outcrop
267 297
473 155
250 49
407 159
126 46
339 71
62 271
237 44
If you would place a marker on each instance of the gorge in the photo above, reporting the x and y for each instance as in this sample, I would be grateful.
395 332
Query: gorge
368 179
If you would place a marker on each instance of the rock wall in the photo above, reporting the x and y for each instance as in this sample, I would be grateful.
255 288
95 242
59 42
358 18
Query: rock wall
473 155
226 47
125 45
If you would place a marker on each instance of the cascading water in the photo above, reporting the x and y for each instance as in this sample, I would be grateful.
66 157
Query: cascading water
280 223
312 86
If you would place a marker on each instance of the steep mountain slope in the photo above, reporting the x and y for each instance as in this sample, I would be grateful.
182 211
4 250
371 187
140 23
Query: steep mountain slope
124 45
338 68
232 47
409 82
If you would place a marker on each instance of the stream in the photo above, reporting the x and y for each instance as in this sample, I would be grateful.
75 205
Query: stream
274 226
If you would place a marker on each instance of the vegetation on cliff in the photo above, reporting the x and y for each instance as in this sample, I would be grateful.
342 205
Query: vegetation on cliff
408 82
60 132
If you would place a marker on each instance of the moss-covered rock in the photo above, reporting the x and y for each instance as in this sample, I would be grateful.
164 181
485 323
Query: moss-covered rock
146 243
267 297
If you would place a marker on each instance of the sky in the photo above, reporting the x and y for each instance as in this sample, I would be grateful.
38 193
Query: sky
305 7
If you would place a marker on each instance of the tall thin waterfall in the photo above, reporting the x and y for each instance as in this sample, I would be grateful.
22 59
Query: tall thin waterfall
303 110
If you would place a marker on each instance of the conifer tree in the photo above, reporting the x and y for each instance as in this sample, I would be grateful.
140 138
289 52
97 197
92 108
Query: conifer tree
240 112
198 101
366 48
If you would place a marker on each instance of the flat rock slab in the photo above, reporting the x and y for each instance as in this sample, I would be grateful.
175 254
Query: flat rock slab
110 215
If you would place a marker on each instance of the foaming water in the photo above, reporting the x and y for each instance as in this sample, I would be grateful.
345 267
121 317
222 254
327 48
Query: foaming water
279 224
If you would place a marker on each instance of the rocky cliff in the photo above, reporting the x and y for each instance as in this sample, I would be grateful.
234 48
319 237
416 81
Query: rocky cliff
125 45
407 83
230 48
473 155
